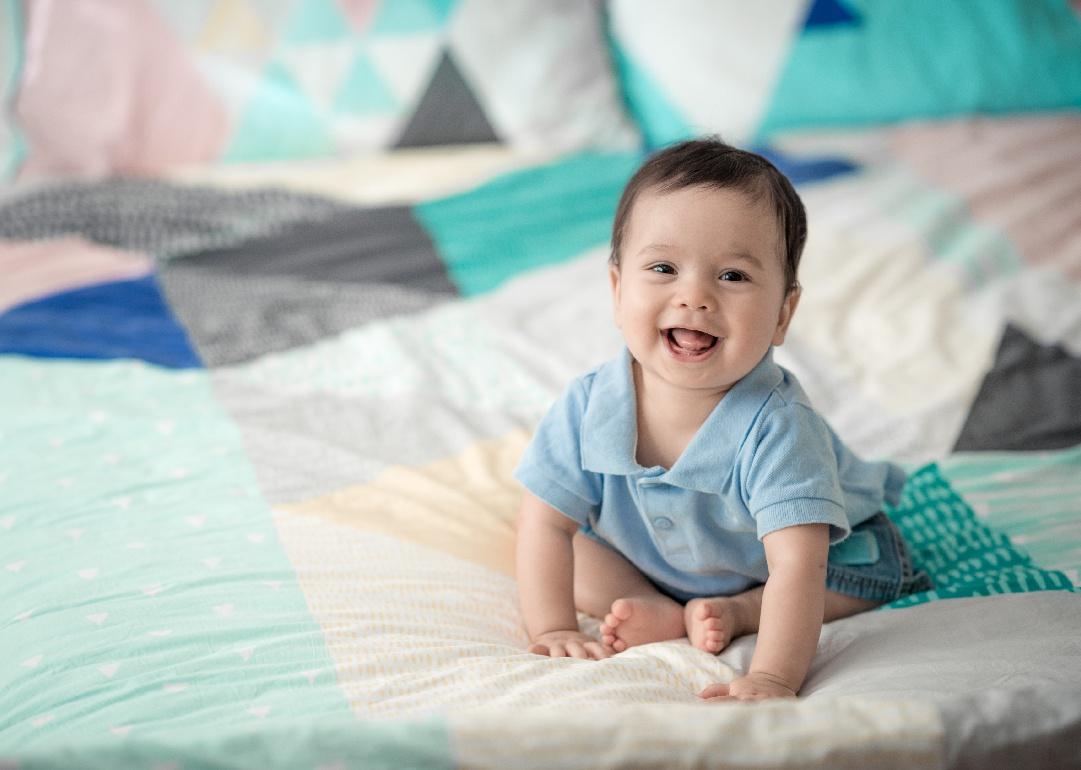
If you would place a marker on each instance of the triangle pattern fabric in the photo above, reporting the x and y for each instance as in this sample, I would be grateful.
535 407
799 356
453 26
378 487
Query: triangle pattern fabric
448 113
122 319
320 70
280 122
316 21
234 26
362 90
408 17
1030 400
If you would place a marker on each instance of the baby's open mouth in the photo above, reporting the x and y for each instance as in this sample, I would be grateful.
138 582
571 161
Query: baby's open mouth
690 340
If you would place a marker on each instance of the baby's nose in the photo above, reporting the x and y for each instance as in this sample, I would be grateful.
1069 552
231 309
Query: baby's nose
695 297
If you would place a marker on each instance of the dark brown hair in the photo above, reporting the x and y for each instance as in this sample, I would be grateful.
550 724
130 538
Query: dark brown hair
711 162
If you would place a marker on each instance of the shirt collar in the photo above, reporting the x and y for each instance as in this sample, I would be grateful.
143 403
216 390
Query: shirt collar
610 425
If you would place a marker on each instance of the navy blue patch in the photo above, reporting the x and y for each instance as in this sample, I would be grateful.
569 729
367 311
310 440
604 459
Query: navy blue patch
123 319
803 170
829 13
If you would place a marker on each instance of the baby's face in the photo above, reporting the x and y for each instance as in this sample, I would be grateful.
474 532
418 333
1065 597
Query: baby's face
700 293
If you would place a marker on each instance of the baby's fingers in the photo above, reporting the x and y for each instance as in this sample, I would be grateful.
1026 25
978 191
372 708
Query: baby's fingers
577 650
597 651
717 690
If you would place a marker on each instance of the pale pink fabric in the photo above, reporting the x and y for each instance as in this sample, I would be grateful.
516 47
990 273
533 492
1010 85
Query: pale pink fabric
119 94
1019 175
359 12
33 270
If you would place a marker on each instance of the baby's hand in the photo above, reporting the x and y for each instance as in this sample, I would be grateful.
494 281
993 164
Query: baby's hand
753 686
569 644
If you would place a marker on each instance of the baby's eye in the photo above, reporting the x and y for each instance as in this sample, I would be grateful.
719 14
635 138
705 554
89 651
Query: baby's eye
663 268
733 275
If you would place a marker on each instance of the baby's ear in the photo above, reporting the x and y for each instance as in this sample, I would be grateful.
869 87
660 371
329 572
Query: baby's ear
788 309
613 279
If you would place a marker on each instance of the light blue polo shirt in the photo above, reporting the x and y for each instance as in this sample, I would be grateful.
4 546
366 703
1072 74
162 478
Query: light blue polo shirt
762 460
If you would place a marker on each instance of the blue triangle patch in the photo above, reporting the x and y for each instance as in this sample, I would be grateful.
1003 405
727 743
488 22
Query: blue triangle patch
122 319
809 169
830 13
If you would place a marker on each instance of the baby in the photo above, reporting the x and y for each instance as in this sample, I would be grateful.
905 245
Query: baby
687 487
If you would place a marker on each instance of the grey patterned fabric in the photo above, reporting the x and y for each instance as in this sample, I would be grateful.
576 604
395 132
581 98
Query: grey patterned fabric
1031 399
158 218
232 318
381 245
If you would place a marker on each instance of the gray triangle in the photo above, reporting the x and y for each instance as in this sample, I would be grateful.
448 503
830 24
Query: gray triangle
1030 400
232 318
448 113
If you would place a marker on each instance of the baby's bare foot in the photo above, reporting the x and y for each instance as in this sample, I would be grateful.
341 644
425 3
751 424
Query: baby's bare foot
712 622
640 620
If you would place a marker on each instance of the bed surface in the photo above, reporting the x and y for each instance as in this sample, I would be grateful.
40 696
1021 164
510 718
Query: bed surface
255 456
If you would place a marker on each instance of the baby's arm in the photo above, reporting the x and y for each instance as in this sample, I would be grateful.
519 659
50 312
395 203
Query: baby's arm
545 566
793 603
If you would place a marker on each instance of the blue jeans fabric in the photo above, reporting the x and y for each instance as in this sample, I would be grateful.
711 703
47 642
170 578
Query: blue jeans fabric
874 563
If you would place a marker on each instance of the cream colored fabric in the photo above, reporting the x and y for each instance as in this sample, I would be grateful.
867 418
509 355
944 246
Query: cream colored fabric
463 505
414 630
376 178
828 734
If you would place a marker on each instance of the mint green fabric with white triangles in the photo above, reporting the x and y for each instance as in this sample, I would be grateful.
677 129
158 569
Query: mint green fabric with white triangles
962 555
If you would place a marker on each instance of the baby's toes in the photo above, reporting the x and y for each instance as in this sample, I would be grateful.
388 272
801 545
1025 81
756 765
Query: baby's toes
618 645
702 611
716 641
610 622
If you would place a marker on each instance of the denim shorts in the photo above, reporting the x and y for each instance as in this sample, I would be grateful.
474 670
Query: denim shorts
873 563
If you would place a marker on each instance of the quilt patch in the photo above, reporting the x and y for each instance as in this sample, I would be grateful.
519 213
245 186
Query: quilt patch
963 556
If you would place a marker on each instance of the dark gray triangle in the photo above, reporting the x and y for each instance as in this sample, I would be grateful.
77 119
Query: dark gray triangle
1031 399
232 318
382 245
448 113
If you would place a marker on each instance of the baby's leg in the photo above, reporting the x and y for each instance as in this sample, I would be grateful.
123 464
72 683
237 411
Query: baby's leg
713 622
608 586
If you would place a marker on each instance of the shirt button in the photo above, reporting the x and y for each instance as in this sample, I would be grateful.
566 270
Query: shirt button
662 522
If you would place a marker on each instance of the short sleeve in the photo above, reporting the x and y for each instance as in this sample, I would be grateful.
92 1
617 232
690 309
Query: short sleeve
793 478
551 467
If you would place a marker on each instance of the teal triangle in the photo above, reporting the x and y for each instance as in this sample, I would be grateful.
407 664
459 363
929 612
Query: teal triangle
929 59
442 8
409 17
279 122
362 91
316 21
662 123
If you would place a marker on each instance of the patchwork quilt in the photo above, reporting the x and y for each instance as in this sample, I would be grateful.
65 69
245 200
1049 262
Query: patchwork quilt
257 430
